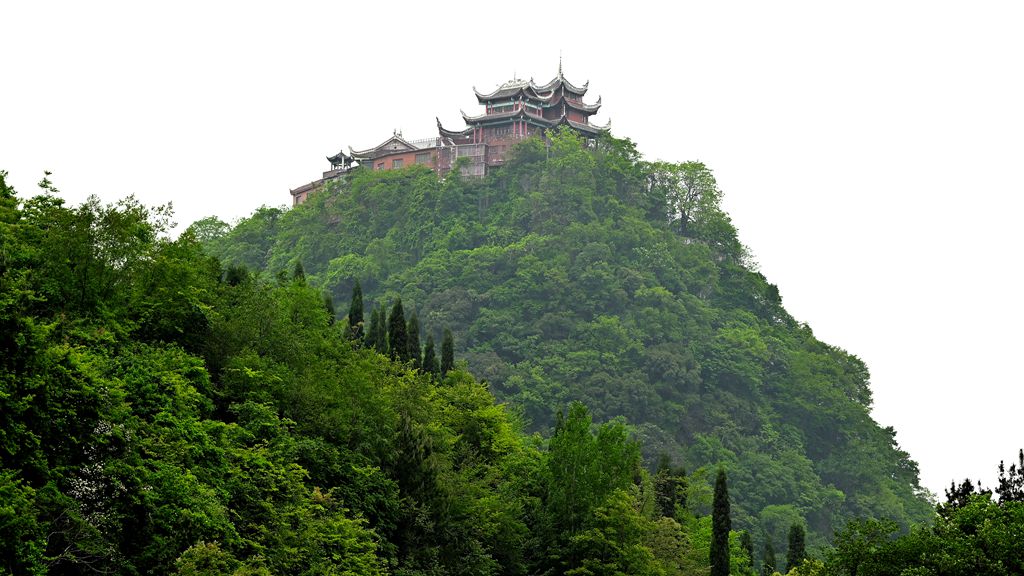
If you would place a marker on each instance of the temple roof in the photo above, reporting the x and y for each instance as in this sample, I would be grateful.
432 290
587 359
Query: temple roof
445 133
393 144
583 106
538 91
525 114
513 88
518 113
340 158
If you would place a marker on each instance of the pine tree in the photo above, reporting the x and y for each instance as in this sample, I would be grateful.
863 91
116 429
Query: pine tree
447 353
768 561
398 336
298 273
329 306
797 551
355 312
415 352
721 524
430 365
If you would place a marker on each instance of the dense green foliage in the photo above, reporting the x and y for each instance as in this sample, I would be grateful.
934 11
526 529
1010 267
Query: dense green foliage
585 273
162 415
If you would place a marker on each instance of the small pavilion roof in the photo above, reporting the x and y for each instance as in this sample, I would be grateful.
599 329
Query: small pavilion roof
339 158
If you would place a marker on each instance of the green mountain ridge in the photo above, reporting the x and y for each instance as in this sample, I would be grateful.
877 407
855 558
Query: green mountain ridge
581 273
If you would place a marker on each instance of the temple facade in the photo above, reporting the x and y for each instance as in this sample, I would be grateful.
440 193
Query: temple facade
516 110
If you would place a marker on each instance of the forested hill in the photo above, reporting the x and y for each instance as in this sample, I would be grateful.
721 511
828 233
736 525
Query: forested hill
589 274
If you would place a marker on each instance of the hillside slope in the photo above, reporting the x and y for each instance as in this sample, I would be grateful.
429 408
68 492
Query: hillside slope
589 274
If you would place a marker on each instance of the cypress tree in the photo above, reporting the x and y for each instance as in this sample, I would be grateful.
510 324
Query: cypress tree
447 353
355 312
768 561
415 352
720 526
669 487
381 340
371 330
797 551
329 306
748 545
299 274
398 337
430 365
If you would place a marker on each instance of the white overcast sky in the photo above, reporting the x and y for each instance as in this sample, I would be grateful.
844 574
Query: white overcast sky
870 152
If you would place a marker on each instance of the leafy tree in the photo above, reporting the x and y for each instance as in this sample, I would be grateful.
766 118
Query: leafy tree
796 552
721 525
355 312
447 353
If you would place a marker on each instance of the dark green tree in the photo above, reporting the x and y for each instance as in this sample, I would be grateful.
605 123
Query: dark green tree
236 274
415 352
355 312
747 543
721 524
376 334
299 273
332 314
447 353
380 341
797 552
430 364
398 335
669 487
1011 484
768 559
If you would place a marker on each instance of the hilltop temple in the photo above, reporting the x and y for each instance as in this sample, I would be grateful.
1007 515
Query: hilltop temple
515 110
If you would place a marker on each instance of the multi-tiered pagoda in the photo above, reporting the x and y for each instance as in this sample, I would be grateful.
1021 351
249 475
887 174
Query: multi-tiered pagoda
515 110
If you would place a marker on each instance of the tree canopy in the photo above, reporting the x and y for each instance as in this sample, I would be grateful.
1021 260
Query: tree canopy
582 272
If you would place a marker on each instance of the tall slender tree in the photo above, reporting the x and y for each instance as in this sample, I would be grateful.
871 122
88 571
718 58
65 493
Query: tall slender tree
747 543
447 353
669 487
415 352
381 339
398 335
797 552
721 524
430 365
332 314
299 273
355 312
768 559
